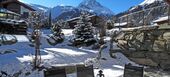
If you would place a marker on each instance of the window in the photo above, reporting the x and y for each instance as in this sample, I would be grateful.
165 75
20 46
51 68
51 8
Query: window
3 15
25 15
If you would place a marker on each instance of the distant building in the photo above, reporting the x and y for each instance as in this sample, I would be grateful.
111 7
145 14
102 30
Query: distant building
93 19
17 7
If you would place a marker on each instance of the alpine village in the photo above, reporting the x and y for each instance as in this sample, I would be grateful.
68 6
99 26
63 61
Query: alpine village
88 40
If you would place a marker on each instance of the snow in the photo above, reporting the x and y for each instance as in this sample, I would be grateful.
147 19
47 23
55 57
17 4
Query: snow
161 19
133 8
22 38
58 10
120 24
146 2
59 55
67 32
42 9
37 7
97 8
30 58
65 51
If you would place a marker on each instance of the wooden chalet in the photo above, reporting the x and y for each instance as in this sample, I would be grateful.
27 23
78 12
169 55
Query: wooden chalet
6 14
93 19
17 7
9 26
12 16
10 23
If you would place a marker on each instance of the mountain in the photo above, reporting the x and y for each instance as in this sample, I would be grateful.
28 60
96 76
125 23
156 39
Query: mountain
39 7
91 6
67 12
58 10
94 7
147 2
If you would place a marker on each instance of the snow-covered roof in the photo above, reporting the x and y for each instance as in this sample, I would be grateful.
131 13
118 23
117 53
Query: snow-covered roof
120 24
141 28
79 18
161 19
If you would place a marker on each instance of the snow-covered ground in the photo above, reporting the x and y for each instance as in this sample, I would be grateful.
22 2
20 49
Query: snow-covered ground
61 54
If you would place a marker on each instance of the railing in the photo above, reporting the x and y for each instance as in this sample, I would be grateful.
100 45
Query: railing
145 16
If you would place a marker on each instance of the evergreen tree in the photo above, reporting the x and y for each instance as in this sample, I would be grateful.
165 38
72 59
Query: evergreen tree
49 20
83 32
58 36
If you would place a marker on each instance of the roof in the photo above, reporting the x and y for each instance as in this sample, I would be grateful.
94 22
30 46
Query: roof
160 19
20 3
3 10
77 18
120 24
140 28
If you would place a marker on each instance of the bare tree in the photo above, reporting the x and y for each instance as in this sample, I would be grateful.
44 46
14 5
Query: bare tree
36 37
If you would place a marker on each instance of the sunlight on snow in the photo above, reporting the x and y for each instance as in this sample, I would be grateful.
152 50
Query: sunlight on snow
30 58
65 51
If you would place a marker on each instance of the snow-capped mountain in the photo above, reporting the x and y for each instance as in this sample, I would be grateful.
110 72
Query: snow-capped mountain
39 7
147 2
94 7
91 6
66 12
58 10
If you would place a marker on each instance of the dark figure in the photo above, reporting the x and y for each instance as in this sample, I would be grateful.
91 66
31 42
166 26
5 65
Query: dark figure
100 74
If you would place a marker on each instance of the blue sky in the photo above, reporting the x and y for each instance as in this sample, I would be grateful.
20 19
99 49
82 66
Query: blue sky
116 6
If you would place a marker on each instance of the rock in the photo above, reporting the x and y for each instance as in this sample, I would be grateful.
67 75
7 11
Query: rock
144 61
